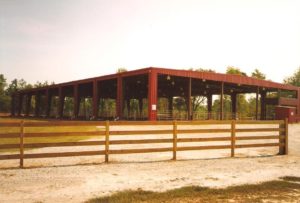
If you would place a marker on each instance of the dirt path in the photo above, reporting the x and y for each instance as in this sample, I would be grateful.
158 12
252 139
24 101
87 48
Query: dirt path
79 183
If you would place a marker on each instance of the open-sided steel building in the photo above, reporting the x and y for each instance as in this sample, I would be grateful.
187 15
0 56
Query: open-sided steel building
146 86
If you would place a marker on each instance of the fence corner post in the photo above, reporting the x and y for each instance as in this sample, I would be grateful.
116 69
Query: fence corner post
106 141
233 122
174 140
286 140
22 144
283 137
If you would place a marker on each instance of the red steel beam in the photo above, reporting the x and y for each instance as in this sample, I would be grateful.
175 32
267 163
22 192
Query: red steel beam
20 104
256 104
189 99
76 100
263 105
222 102
37 104
48 102
233 105
28 104
61 103
170 106
119 102
209 105
95 99
152 95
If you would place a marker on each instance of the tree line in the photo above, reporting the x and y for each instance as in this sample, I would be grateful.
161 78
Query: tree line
7 89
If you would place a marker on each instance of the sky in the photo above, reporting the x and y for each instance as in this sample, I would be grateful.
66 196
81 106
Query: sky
64 40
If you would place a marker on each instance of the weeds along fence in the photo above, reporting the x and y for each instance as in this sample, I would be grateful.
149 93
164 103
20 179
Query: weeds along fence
23 136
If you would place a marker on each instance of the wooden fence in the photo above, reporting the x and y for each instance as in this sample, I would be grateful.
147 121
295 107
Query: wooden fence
233 129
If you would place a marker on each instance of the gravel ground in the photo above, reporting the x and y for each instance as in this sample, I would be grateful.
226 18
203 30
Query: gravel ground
59 180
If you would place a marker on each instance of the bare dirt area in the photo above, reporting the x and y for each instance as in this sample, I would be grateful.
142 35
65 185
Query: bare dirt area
60 180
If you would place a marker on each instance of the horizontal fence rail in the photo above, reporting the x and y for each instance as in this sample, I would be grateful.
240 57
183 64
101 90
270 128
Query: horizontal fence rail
232 133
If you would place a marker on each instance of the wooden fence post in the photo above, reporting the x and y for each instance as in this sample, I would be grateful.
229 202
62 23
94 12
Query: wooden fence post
286 136
22 144
106 141
283 142
232 137
174 139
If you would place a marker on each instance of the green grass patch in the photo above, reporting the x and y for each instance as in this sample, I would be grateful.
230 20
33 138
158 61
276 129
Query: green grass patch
280 190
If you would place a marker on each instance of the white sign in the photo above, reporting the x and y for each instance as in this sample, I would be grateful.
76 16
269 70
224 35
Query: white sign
153 107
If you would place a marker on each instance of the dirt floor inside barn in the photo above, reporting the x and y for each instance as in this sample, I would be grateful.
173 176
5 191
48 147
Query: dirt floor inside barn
81 178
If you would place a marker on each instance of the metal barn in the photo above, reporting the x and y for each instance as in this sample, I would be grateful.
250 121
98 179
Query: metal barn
149 93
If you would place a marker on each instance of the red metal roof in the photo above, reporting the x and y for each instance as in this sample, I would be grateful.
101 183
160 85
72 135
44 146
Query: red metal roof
226 78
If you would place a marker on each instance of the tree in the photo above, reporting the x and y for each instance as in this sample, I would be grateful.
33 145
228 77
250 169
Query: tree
234 71
15 85
4 98
198 102
121 70
205 70
12 87
226 106
42 84
257 74
202 70
294 79
242 103
3 84
18 85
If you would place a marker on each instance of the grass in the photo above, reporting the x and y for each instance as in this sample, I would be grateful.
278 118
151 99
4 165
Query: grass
287 189
291 178
44 129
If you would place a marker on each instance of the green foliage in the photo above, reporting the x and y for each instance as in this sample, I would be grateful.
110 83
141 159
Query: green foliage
226 108
21 84
107 108
198 104
243 106
294 79
42 84
257 74
234 71
69 106
6 90
3 84
252 107
121 70
13 87
4 98
242 103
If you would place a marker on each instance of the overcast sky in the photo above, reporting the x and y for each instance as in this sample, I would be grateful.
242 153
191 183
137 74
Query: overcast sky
63 40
